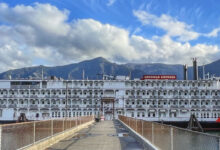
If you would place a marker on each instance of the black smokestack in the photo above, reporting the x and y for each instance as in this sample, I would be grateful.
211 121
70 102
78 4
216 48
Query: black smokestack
185 74
195 69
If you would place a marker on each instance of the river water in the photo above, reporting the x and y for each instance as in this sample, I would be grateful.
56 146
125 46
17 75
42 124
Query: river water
214 132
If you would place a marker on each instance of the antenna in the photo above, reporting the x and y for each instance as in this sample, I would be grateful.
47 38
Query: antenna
203 71
42 72
83 74
130 75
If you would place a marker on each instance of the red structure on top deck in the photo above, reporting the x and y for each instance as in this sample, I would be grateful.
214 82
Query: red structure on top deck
159 77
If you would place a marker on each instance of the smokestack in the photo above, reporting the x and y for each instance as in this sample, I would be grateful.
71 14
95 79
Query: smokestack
185 74
195 69
83 74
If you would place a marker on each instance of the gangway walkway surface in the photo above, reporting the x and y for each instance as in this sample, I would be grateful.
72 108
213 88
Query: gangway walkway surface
105 135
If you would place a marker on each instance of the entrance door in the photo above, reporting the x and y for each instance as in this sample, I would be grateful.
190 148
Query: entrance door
107 108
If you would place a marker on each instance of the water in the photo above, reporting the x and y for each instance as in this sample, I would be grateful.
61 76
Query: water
214 132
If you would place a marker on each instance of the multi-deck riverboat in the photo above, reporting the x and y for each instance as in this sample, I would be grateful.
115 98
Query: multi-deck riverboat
154 98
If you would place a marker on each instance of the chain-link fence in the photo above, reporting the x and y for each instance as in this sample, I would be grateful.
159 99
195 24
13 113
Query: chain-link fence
167 137
19 135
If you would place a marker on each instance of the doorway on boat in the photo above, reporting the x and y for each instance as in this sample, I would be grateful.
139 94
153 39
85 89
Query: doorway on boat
108 108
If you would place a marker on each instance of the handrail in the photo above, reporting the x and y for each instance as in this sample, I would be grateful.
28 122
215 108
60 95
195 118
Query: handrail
167 137
19 135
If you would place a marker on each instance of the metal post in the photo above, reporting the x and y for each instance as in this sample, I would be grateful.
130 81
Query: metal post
113 109
129 122
0 137
142 122
171 135
136 124
66 98
152 133
219 143
63 125
34 132
76 120
52 127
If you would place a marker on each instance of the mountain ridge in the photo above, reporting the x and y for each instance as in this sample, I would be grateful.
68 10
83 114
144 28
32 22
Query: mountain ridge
101 65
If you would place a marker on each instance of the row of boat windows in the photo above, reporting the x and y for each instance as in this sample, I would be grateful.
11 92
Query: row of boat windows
127 93
207 115
198 115
171 103
194 84
47 102
146 84
174 93
54 93
72 114
152 114
84 84
174 84
128 102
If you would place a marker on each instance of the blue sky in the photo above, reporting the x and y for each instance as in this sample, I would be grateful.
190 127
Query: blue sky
165 31
202 14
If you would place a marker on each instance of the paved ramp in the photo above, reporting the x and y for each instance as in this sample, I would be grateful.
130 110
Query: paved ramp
106 135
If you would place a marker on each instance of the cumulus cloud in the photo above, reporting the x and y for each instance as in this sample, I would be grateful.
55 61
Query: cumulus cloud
213 33
10 58
168 51
42 31
172 26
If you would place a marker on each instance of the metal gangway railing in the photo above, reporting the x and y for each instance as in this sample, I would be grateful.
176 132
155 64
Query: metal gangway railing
166 137
21 135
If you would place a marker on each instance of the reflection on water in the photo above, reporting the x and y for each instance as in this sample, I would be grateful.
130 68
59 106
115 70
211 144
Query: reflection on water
214 132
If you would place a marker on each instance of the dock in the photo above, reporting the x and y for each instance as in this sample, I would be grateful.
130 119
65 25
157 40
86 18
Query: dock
83 133
106 135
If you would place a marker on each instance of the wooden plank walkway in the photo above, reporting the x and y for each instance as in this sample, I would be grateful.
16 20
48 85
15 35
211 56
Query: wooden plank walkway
106 135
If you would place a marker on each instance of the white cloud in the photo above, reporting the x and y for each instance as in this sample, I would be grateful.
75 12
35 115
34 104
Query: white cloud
168 51
11 59
213 33
44 17
173 27
48 35
111 2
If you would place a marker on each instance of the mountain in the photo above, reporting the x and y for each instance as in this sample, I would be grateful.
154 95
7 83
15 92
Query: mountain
99 65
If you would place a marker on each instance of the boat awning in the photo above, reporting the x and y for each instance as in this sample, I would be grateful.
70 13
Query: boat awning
151 110
184 110
162 110
173 110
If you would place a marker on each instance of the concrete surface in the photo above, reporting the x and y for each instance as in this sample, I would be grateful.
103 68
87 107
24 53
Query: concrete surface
106 135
